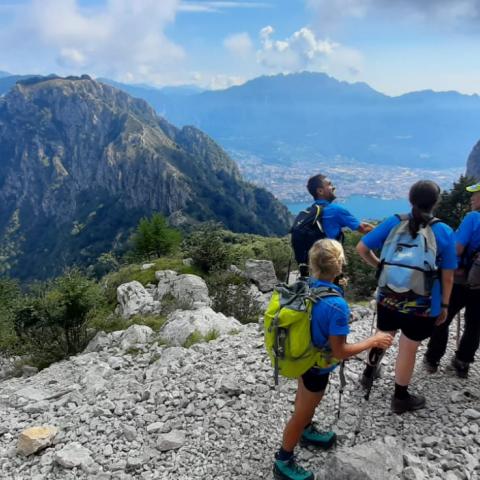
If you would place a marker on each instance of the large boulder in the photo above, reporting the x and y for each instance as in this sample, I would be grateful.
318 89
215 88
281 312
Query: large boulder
182 323
376 460
191 291
135 335
262 274
134 299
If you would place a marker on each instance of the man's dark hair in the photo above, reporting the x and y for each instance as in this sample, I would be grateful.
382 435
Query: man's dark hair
315 182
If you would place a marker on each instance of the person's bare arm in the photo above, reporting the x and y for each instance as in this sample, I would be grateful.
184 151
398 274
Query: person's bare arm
365 227
367 254
460 249
447 285
341 349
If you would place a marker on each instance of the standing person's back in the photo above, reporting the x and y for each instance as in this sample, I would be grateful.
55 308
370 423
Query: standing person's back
465 294
412 297
323 219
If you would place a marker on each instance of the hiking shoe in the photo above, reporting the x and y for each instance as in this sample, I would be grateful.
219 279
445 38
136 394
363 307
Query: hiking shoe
409 404
429 366
290 470
314 438
461 368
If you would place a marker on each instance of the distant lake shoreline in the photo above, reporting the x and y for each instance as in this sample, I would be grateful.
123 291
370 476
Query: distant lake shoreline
364 207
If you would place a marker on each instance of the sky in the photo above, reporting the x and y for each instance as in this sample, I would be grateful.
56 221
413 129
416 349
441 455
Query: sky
395 46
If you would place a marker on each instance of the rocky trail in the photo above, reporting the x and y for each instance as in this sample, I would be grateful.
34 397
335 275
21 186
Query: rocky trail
129 408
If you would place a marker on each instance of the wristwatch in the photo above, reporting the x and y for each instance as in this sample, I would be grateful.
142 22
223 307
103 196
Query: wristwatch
445 305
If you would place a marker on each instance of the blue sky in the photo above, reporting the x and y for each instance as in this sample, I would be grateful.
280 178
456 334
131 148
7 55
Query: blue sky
396 46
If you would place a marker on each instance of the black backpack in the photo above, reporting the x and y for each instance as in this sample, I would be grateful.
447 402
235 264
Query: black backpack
306 230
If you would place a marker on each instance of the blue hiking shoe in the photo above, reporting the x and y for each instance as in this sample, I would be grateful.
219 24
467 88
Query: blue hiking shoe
311 437
290 470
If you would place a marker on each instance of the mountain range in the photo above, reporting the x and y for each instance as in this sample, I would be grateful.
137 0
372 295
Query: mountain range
284 118
81 162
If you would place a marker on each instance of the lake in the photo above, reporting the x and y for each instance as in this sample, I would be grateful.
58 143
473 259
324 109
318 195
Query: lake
364 207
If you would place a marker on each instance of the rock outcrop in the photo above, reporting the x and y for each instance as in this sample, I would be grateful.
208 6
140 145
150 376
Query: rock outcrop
473 163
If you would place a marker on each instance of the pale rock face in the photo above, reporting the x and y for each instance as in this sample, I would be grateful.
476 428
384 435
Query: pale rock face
135 335
182 323
74 455
191 291
262 273
99 342
35 439
134 299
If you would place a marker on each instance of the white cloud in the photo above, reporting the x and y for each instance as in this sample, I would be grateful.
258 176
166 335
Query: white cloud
446 12
220 82
297 52
218 6
304 51
121 38
239 44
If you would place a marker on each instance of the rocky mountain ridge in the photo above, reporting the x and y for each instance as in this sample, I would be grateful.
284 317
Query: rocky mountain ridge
132 407
81 162
473 163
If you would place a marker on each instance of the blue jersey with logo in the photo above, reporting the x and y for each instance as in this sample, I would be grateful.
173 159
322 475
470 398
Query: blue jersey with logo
446 259
330 317
334 218
468 234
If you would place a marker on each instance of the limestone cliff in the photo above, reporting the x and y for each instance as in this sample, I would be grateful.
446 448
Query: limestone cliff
473 163
81 162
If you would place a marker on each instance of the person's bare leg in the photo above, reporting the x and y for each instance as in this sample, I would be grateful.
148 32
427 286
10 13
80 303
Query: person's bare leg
407 350
305 404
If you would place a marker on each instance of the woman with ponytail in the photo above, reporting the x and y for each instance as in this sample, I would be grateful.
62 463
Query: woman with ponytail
415 308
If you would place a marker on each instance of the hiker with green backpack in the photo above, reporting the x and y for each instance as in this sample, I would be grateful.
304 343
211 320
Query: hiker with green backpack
415 278
306 327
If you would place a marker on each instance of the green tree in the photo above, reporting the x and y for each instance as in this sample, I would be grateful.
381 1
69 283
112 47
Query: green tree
155 238
51 322
207 248
361 277
455 203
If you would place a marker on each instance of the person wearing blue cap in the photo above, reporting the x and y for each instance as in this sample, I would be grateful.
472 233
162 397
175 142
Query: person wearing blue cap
465 294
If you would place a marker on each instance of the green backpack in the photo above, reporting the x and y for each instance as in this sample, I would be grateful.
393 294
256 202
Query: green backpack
288 339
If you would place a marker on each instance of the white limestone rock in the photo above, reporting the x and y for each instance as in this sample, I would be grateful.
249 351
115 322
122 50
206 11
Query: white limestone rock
262 273
134 299
182 323
74 455
190 291
135 335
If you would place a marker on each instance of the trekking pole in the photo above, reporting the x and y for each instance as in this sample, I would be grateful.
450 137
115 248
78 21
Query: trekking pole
288 270
459 321
343 382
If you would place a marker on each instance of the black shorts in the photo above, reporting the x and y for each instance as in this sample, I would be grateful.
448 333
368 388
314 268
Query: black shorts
414 327
315 382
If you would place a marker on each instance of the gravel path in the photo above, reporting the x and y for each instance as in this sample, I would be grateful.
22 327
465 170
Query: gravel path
211 412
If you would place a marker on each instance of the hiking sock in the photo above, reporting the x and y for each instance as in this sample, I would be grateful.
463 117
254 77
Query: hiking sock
401 391
283 455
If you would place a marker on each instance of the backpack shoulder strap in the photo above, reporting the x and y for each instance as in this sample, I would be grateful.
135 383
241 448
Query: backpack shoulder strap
324 292
433 221
403 216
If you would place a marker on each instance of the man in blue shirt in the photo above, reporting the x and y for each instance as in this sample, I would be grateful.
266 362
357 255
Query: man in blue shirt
467 245
332 220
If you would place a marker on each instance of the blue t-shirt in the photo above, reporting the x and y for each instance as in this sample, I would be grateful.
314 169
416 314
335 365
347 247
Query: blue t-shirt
335 217
330 317
468 234
446 255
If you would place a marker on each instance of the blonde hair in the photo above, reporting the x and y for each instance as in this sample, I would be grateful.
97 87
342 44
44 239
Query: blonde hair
326 258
